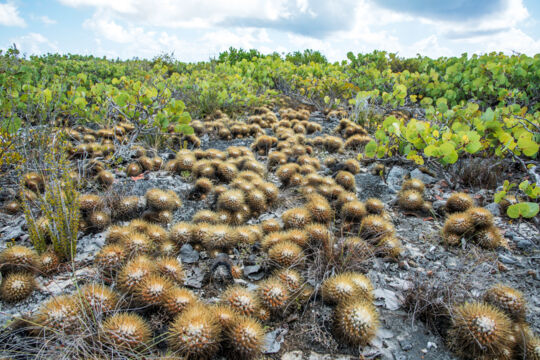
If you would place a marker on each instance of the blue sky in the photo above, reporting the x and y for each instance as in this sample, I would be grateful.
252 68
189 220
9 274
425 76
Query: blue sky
199 29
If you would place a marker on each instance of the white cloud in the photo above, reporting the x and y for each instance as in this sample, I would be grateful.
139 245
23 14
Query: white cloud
509 41
34 43
199 29
47 20
9 15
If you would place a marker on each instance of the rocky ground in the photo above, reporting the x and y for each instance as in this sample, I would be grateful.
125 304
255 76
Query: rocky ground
427 274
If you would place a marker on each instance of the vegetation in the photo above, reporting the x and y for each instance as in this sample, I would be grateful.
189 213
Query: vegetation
92 145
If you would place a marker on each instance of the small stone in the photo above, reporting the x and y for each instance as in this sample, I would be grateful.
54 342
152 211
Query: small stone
507 259
194 278
254 272
395 178
427 179
431 345
292 355
524 244
405 345
404 265
438 206
273 341
494 208
188 255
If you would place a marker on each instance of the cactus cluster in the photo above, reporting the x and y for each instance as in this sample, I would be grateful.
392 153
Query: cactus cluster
466 221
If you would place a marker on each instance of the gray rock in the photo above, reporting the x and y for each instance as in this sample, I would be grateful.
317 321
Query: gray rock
494 208
254 272
388 297
273 341
188 255
89 245
316 356
507 259
417 174
395 178
292 355
405 345
11 232
524 244
438 206
194 278
368 185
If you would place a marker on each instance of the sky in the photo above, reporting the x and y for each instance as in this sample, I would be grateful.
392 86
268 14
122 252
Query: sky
196 30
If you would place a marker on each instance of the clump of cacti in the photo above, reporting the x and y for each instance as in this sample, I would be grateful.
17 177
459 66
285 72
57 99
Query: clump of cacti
479 330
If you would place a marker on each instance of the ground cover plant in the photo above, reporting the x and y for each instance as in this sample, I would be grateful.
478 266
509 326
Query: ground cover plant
269 207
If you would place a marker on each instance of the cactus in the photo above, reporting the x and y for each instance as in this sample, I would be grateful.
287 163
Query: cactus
195 333
479 330
241 300
296 218
285 253
274 294
507 299
19 258
356 321
17 286
126 331
458 202
245 337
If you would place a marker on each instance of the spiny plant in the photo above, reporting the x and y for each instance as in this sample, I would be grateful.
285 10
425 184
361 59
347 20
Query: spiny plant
177 299
126 331
18 258
59 205
479 330
98 298
245 337
285 253
17 286
59 314
242 300
508 299
356 321
195 333
274 294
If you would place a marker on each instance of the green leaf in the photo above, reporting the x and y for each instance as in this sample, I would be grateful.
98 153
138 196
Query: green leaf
121 99
499 196
524 185
13 125
371 149
527 144
48 95
184 129
524 209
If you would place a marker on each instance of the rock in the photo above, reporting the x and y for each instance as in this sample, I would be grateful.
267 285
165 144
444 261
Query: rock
273 341
438 206
89 245
11 232
194 278
426 179
254 272
524 244
368 185
390 300
395 178
292 355
316 356
188 255
405 345
507 259
494 208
